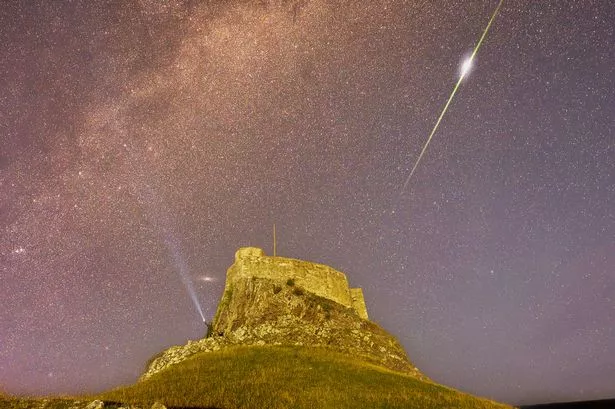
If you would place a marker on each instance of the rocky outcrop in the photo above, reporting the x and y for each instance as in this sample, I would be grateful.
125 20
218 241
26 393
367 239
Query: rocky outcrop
180 353
58 403
289 307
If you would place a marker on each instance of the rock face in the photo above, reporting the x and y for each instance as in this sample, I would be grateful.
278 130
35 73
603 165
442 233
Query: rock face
282 301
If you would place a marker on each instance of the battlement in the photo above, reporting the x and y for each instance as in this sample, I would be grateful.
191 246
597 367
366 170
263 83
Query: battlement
318 279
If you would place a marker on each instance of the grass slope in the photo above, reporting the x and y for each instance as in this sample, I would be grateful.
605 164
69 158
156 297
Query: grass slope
288 377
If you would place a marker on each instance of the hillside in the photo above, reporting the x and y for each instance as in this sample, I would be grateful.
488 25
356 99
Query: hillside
256 377
287 377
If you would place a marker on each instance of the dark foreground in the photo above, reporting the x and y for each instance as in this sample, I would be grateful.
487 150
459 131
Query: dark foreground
590 404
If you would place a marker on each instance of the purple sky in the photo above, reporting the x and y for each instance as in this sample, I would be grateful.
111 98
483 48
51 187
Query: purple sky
143 142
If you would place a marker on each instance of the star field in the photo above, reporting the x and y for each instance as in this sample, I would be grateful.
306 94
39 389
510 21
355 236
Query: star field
143 142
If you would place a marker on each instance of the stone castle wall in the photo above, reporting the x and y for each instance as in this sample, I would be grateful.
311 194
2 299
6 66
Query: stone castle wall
316 278
358 302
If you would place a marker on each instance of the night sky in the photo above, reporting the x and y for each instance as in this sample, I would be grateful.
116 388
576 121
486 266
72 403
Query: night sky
143 142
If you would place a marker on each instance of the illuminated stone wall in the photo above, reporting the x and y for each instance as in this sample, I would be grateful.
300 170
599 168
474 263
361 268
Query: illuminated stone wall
358 302
316 278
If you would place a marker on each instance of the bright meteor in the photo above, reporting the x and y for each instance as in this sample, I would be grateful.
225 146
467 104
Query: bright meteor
465 68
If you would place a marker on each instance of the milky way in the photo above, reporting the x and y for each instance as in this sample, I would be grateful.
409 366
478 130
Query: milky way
143 140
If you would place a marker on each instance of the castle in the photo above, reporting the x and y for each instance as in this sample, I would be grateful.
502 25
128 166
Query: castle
315 278
278 301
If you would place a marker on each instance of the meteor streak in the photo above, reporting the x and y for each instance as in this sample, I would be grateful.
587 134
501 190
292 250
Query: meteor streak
464 70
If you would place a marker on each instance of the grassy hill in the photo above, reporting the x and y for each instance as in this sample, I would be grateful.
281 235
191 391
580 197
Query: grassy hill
256 377
287 377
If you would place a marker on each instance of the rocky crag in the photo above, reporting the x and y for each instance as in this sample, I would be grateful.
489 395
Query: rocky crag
283 301
62 403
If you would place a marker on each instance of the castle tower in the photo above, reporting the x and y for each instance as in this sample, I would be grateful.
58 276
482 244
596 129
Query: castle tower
317 279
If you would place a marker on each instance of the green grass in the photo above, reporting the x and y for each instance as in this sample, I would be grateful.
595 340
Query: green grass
287 377
38 403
